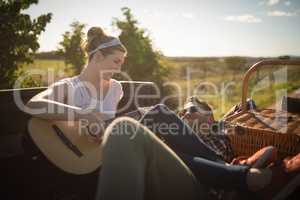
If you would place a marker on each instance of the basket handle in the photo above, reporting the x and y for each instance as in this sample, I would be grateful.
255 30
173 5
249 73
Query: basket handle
254 67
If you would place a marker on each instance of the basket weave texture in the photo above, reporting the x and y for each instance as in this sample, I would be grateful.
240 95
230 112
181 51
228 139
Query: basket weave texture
256 129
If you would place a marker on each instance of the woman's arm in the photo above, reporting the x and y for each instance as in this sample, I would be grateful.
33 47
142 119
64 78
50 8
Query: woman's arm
54 104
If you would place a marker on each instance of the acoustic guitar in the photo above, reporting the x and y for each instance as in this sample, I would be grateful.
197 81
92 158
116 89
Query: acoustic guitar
65 147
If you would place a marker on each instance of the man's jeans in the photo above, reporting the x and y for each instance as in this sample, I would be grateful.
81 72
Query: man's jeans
207 166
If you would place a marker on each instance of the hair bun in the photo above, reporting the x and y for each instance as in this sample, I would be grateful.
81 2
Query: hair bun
95 32
95 37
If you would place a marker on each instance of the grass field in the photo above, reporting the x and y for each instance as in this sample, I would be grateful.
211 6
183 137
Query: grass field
224 87
210 80
54 69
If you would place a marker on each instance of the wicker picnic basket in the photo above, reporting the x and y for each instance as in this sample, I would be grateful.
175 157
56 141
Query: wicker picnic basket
252 129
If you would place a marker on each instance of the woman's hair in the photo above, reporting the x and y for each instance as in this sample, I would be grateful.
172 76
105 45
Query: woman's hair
95 37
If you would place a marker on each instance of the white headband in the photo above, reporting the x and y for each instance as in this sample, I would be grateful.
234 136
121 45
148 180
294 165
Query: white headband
114 42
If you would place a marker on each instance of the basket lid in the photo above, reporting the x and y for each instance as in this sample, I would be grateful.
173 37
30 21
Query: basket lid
269 120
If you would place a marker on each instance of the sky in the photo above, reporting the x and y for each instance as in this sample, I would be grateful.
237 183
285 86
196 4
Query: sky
187 27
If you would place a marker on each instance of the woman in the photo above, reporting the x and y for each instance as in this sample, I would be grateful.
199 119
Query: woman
90 93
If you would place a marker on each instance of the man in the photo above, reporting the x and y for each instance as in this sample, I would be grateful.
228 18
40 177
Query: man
199 115
137 164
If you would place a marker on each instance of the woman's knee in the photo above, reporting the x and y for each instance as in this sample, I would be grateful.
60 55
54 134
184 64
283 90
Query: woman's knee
122 126
125 130
120 139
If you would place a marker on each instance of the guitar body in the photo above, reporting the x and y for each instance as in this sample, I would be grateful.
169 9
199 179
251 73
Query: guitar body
87 156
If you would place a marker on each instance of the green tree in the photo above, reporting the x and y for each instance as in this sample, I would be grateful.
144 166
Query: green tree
143 63
71 47
19 37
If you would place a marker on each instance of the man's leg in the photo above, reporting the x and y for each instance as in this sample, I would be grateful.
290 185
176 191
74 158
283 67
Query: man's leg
138 165
218 175
177 134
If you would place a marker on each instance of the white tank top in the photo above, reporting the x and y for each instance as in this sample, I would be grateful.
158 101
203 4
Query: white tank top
80 96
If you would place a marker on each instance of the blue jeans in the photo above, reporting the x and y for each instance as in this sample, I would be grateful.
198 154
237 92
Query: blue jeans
207 166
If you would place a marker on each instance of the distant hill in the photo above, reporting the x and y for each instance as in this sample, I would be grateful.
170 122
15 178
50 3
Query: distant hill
49 55
250 60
